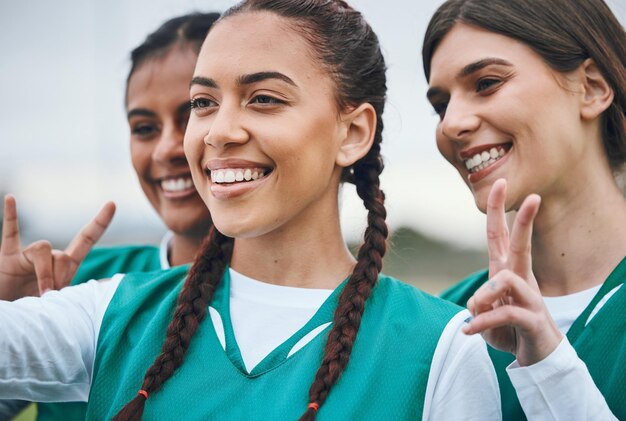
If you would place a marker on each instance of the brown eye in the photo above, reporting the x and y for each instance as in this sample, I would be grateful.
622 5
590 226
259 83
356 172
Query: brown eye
486 83
144 130
266 100
202 103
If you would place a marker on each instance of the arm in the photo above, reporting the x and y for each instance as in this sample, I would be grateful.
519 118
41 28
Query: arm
462 383
551 382
559 388
48 344
32 270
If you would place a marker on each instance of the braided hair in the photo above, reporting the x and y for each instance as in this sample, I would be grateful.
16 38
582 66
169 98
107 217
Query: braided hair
349 50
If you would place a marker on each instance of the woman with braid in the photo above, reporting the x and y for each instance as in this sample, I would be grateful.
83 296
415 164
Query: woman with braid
531 96
157 105
275 319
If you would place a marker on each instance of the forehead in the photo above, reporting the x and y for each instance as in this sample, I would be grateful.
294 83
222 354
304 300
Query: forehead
257 41
163 75
466 44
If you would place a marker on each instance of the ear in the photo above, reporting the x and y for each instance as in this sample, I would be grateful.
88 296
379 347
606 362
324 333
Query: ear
358 135
598 94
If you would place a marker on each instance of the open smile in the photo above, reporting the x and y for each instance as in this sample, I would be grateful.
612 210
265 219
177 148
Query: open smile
232 178
177 187
237 175
480 159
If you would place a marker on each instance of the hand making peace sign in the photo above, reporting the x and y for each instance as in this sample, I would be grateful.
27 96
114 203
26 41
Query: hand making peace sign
37 268
508 309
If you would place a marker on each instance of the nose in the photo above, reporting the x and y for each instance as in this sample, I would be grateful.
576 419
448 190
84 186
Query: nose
226 128
169 148
460 120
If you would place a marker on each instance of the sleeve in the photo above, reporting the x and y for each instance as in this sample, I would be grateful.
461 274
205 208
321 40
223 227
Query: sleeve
10 408
48 343
559 388
462 383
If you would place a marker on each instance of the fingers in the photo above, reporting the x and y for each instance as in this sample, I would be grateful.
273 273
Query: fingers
64 269
10 227
520 258
507 315
503 289
497 229
39 255
89 235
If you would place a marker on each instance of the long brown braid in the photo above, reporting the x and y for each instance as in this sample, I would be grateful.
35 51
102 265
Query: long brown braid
200 285
347 319
349 50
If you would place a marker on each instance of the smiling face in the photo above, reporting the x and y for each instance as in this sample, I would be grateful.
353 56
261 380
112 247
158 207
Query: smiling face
158 111
506 114
264 133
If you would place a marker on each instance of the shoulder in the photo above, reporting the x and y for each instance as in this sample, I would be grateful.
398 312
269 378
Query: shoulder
104 262
157 280
404 302
117 252
462 291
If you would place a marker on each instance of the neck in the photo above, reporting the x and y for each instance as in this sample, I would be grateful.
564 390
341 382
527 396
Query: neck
306 255
183 249
580 237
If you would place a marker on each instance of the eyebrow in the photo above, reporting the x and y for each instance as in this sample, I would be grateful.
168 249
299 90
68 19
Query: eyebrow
141 112
481 64
260 76
144 112
244 79
469 69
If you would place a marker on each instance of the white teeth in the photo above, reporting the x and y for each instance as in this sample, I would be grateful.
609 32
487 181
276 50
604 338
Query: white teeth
232 175
177 184
484 159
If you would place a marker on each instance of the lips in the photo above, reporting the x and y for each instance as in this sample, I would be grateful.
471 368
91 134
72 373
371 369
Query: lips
234 177
482 160
177 187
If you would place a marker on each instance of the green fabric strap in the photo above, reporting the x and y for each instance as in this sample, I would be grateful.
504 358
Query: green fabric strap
616 278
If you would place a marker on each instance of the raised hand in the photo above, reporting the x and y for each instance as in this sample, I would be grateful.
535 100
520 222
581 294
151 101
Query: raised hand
508 309
37 268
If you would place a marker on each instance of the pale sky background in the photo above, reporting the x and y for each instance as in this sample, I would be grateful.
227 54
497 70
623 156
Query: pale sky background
64 147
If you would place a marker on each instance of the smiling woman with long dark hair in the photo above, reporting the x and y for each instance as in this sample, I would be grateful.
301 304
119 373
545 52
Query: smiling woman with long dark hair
534 92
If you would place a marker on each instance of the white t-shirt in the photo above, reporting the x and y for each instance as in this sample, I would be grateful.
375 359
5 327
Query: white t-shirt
47 350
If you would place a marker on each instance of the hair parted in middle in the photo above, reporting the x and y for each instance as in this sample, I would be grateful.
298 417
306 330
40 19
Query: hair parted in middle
348 49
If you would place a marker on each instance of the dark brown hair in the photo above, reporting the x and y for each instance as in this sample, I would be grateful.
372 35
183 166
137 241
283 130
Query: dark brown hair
348 48
187 30
564 33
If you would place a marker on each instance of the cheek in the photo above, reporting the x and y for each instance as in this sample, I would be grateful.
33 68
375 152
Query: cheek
445 146
193 143
141 156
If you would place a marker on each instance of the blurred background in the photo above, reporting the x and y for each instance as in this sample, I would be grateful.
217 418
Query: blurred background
64 142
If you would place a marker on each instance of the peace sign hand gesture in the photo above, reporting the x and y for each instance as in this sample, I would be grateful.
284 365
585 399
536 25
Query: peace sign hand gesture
508 309
37 268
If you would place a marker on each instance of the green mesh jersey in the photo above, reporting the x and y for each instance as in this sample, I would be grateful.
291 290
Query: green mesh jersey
601 344
100 263
386 376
